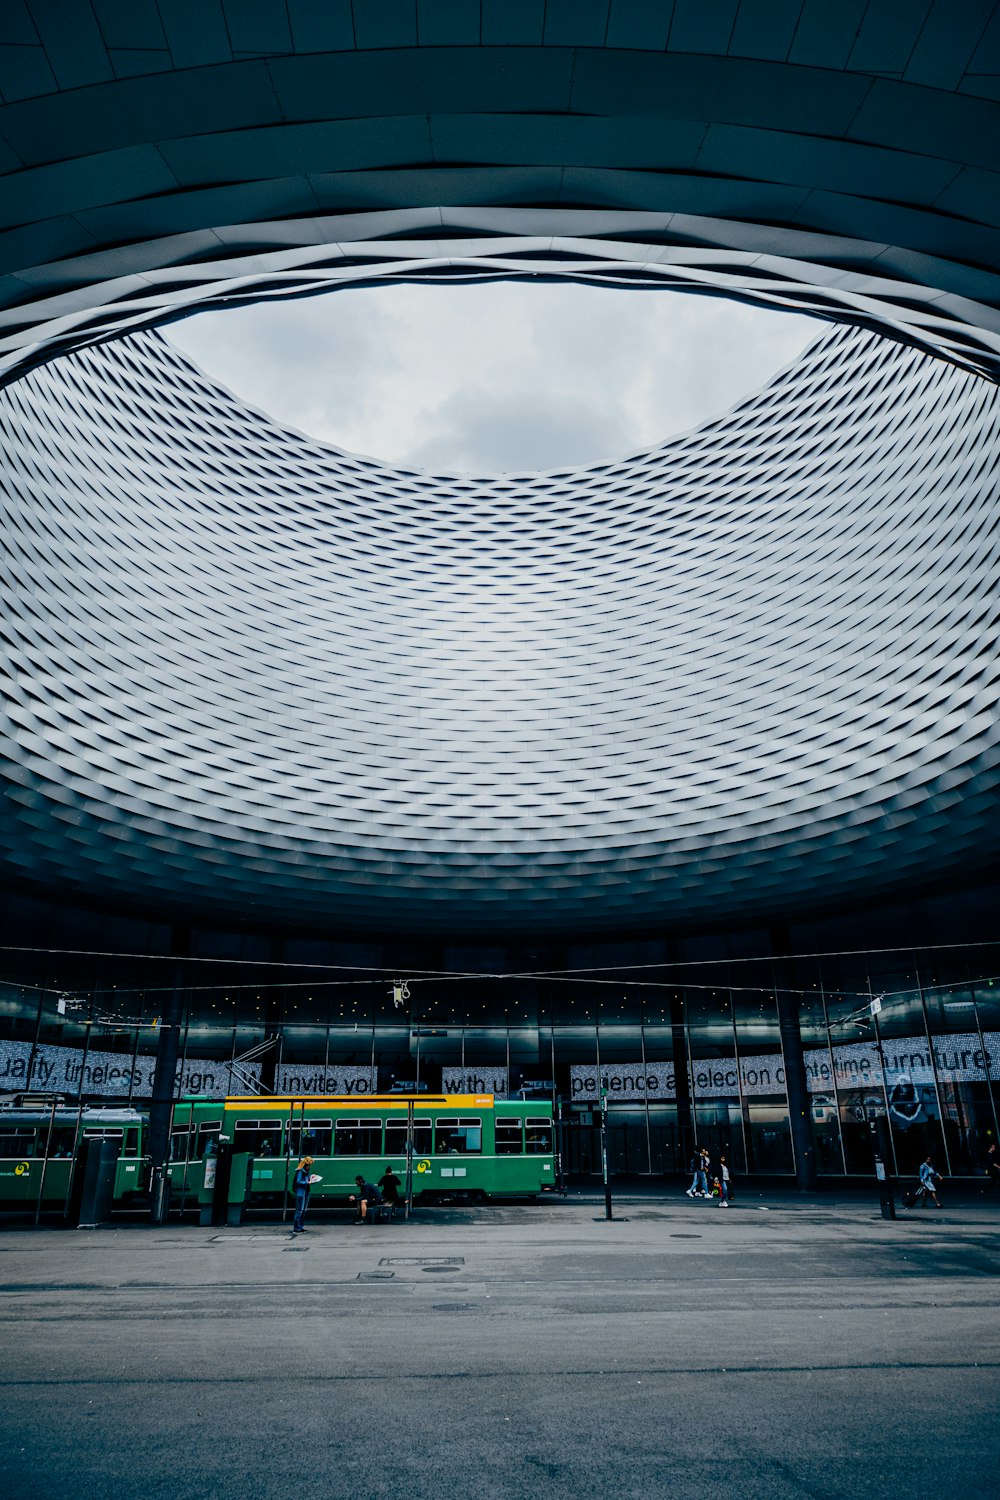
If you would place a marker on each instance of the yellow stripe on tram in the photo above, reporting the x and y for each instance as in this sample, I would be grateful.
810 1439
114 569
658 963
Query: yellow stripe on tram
259 1102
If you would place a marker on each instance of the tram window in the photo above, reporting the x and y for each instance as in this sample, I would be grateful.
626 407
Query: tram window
395 1138
510 1141
17 1142
179 1142
314 1138
458 1137
208 1135
132 1142
61 1144
358 1138
99 1133
259 1137
538 1136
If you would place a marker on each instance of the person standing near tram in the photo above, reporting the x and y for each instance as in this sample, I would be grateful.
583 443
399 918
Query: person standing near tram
302 1185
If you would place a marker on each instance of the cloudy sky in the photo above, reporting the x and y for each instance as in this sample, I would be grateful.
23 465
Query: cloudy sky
505 375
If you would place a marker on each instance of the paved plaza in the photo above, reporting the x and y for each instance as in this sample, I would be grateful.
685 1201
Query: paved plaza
787 1347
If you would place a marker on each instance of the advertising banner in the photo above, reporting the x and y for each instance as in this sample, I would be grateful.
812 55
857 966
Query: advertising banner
471 1080
315 1078
61 1070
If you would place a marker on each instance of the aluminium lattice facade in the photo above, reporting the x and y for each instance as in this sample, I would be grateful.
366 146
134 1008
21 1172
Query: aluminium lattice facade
751 670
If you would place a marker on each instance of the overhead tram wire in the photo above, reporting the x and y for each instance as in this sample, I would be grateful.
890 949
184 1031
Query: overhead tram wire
428 974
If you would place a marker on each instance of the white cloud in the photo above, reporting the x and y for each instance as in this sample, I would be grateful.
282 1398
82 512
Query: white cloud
504 375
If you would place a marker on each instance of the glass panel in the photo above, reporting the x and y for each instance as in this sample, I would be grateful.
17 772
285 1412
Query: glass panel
358 1138
314 1138
179 1142
208 1135
509 1138
770 1137
395 1138
259 1137
17 1141
458 1137
538 1137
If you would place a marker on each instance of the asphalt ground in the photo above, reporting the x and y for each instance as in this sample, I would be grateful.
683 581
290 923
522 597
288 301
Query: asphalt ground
783 1347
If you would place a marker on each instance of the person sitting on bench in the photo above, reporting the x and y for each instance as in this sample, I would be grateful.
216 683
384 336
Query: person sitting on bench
390 1185
366 1197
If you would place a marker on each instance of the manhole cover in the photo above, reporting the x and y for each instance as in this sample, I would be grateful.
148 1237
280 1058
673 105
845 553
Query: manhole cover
439 1270
375 1275
685 1236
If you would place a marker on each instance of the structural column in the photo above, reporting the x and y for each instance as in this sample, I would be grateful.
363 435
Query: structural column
165 1070
799 1106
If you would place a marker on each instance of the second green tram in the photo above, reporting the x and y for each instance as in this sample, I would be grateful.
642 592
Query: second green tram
467 1146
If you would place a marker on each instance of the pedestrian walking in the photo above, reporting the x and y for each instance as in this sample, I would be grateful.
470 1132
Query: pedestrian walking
699 1181
992 1170
303 1186
723 1183
928 1177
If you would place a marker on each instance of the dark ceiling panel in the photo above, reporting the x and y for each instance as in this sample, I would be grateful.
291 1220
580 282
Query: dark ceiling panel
377 24
257 26
72 41
640 23
765 28
196 32
24 73
826 33
888 35
697 27
513 22
321 25
576 23
130 25
448 23
947 43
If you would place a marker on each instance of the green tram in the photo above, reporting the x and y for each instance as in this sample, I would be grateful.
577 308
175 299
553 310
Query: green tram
467 1146
470 1147
39 1145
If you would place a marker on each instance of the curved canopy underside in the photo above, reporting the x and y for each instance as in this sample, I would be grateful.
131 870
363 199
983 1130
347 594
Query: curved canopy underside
752 670
159 158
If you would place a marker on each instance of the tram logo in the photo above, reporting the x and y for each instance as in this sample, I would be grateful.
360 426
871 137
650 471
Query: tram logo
22 1169
423 1166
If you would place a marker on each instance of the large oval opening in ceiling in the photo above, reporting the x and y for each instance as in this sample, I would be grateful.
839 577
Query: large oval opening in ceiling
503 376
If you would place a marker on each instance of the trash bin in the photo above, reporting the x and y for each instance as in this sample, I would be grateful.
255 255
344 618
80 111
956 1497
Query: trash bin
159 1193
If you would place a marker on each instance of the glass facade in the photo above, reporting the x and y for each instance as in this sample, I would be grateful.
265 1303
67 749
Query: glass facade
688 1046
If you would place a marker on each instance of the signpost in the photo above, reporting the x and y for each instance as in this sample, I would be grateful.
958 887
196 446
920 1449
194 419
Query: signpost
409 1158
604 1155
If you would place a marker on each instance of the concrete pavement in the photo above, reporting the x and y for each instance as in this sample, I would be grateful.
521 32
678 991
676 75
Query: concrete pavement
790 1348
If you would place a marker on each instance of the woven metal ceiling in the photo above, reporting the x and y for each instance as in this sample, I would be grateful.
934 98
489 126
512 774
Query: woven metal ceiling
750 671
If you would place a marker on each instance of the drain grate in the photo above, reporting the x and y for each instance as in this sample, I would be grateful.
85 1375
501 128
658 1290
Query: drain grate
454 1306
375 1275
685 1236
